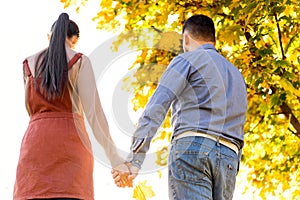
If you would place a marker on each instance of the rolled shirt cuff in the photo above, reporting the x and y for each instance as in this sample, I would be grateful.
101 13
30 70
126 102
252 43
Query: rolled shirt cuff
136 159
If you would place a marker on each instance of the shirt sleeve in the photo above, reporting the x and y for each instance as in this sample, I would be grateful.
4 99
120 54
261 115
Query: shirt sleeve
172 83
94 113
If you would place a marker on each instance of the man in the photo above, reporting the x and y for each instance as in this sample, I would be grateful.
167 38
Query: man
208 99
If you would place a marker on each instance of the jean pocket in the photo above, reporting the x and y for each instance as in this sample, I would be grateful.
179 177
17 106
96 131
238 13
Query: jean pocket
189 161
229 169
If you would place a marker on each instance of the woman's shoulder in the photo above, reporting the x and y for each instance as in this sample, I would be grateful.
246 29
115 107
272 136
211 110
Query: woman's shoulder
71 53
35 55
32 59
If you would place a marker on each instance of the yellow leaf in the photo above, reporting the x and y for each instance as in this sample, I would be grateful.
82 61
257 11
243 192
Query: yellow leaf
252 13
106 3
142 191
67 3
288 86
231 34
77 9
162 156
159 174
170 41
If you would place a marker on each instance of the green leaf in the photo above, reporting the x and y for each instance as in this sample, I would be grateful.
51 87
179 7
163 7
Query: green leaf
275 100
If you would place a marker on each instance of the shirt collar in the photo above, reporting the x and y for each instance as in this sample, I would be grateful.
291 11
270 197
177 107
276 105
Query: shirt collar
207 46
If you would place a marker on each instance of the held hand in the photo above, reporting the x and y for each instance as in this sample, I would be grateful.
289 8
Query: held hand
134 171
121 175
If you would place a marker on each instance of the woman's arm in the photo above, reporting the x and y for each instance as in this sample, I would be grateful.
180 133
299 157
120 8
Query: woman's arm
94 113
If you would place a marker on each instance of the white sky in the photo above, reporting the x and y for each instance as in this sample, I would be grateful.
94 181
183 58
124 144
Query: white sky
24 28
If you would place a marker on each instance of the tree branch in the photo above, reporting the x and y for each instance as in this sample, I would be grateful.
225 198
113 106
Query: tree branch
279 36
256 125
289 113
156 29
294 121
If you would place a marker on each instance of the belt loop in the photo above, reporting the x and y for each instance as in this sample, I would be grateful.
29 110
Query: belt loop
218 141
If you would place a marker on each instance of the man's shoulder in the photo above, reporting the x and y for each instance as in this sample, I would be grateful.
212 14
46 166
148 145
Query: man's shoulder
181 58
195 53
184 55
192 57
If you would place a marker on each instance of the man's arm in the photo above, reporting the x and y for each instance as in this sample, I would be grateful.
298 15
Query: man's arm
171 84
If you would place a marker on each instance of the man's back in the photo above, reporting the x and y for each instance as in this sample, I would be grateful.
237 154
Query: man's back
213 98
208 116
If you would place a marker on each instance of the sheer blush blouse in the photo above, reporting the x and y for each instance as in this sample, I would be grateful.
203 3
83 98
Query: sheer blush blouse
85 101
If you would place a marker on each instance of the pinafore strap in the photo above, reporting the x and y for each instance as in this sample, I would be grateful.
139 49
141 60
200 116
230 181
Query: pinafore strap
26 69
74 60
27 72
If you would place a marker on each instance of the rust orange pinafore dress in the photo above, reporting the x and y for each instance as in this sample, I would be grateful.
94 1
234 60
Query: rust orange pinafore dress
55 157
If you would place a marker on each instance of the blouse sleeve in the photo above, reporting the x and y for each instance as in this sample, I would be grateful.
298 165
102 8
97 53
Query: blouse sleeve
94 113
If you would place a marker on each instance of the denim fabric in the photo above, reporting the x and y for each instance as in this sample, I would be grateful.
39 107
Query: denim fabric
202 169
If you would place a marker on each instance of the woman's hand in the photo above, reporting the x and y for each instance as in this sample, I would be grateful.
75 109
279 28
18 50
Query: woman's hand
121 175
124 174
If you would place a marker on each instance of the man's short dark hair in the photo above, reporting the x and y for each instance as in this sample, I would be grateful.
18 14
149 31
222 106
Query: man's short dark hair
200 27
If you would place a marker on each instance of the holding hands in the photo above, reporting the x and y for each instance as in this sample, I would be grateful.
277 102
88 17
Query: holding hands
124 174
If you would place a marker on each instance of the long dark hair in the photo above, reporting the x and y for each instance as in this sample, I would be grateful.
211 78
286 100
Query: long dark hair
52 72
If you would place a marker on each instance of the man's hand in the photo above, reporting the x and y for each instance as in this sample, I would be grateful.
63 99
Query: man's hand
120 175
124 174
134 171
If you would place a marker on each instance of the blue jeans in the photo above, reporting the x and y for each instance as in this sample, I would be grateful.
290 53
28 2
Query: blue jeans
202 169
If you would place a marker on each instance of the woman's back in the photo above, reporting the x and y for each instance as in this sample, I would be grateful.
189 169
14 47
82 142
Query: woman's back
36 102
56 157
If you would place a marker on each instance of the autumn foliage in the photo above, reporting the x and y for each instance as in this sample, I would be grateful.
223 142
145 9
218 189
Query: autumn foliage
261 37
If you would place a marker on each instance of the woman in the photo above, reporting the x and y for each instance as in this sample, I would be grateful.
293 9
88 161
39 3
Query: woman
56 160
